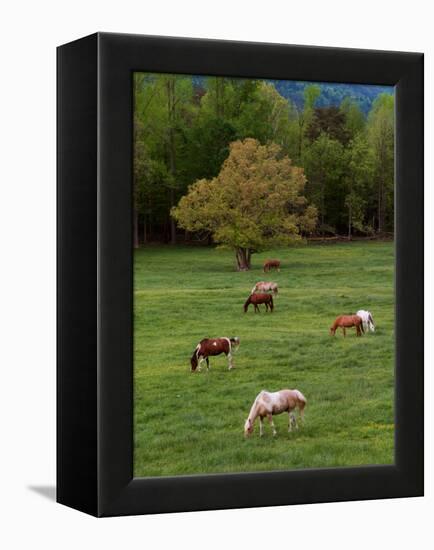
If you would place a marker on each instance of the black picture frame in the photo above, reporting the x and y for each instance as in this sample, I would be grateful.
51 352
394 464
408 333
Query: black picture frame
94 345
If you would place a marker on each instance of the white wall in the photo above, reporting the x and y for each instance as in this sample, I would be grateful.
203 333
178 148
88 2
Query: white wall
30 32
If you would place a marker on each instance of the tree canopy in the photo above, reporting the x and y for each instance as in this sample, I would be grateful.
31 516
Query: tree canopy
254 203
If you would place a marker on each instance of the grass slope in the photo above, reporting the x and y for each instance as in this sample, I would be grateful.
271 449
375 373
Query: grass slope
193 423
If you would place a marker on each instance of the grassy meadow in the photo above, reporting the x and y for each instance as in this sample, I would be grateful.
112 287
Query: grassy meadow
192 423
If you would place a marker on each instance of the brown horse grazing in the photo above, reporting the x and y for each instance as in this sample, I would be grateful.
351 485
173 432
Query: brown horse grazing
347 321
264 286
257 299
213 346
268 264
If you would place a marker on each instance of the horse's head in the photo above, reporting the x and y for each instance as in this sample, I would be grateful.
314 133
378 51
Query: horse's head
248 428
235 341
332 331
193 361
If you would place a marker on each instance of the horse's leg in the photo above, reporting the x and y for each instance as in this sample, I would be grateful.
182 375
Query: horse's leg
230 361
200 361
270 420
261 426
343 330
207 363
291 421
301 413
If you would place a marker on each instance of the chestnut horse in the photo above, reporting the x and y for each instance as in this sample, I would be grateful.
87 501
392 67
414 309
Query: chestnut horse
347 321
266 404
257 299
263 286
268 264
213 346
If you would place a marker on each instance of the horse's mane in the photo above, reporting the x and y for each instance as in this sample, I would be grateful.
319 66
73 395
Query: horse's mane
255 402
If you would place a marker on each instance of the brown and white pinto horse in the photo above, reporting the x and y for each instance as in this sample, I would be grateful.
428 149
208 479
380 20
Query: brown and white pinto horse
347 321
213 346
264 286
257 299
267 404
268 264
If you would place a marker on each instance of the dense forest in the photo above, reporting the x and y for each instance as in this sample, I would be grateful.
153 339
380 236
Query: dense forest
341 136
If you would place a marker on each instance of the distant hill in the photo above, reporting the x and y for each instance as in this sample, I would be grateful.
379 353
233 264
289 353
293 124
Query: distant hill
332 94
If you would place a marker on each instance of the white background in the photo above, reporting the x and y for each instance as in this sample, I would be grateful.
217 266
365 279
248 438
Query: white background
30 31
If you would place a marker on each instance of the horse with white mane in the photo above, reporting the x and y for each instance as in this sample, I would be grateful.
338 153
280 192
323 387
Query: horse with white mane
264 286
267 404
367 320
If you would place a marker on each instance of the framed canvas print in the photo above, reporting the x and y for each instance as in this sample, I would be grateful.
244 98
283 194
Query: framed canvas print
240 274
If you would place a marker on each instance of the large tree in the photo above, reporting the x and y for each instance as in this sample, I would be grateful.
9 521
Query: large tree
254 203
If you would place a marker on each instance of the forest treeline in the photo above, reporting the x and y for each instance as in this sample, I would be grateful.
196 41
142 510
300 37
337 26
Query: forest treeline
183 131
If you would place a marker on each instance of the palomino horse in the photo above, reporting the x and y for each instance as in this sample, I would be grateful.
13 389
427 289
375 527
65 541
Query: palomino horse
213 346
257 299
268 264
267 404
367 320
347 321
263 286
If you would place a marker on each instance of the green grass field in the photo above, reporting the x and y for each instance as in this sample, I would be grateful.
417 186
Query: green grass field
193 423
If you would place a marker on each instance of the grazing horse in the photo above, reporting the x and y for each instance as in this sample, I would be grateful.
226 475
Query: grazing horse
347 321
257 299
367 320
263 286
267 404
268 264
213 346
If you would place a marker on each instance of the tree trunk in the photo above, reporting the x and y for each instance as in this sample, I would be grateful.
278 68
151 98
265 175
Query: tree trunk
243 256
350 212
145 233
172 221
380 206
135 229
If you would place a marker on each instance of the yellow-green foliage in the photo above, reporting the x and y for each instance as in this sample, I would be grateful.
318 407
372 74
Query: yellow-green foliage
254 203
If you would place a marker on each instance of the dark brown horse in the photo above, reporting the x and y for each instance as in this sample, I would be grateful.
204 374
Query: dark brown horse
347 321
213 346
257 299
268 264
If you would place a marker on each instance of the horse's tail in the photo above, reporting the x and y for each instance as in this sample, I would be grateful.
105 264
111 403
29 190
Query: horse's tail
362 325
253 290
271 302
193 359
302 401
246 305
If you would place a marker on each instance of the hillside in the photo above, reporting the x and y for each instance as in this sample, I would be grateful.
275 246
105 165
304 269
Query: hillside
332 93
